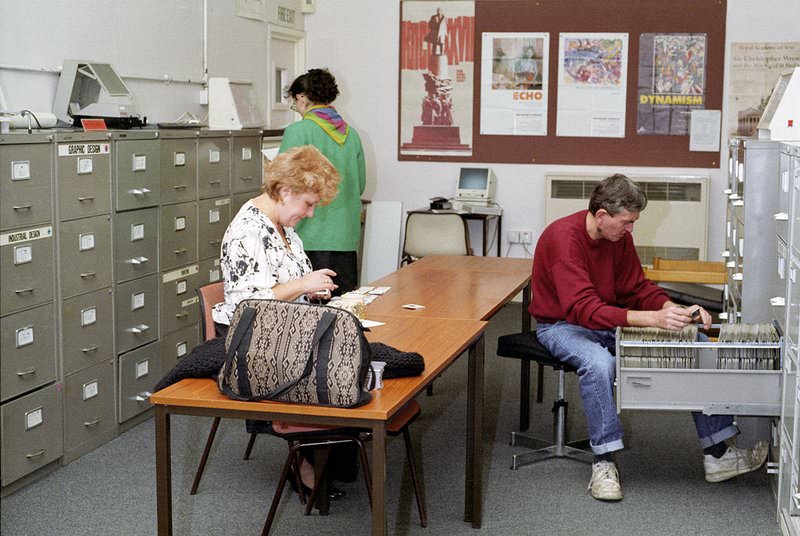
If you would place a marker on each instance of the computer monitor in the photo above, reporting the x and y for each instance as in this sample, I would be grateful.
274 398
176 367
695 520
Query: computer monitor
475 186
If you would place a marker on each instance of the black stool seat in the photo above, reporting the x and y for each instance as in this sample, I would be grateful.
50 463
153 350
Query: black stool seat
527 346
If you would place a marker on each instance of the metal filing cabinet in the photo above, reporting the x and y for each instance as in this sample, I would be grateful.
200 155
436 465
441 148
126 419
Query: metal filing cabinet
83 174
27 265
85 255
28 350
26 169
178 235
87 330
210 271
135 244
214 215
213 164
139 371
32 433
136 313
89 416
175 346
137 169
179 301
178 166
246 161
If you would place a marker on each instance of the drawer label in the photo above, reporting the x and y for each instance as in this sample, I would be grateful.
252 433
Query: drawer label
23 254
181 348
90 389
247 153
137 301
139 162
183 272
80 149
190 301
179 159
137 232
26 235
88 316
142 368
24 336
20 170
34 418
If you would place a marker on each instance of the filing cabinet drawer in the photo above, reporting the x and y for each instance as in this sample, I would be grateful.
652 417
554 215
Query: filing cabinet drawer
135 244
178 167
214 215
26 172
790 395
28 357
238 200
136 312
246 162
32 432
26 268
138 171
139 371
178 232
88 404
179 300
87 330
694 389
175 346
210 271
214 166
85 252
83 177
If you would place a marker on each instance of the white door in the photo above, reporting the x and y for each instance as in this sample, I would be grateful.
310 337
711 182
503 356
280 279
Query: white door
286 61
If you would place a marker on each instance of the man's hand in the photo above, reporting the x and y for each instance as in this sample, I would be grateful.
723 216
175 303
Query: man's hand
670 316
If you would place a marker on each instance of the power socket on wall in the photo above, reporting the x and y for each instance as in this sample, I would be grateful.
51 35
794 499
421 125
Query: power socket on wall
519 237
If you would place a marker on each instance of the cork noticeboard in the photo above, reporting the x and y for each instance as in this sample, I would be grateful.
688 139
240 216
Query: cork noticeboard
633 18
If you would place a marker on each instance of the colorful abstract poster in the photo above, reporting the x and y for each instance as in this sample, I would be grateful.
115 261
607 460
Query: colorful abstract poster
754 71
672 82
514 69
592 79
436 77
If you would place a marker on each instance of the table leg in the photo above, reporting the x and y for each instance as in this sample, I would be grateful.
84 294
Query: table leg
163 472
473 493
499 235
485 243
379 479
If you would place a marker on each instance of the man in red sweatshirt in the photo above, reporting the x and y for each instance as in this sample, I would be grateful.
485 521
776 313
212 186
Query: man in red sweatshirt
587 281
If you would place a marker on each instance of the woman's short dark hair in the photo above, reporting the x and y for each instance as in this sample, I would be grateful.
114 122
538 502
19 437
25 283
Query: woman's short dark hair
318 85
617 193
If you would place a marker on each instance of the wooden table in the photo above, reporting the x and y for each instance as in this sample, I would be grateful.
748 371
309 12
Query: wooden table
440 340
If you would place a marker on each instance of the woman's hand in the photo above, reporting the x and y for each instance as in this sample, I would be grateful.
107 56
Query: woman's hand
319 283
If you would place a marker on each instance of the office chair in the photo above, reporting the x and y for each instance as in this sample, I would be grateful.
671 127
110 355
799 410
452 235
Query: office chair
430 233
307 436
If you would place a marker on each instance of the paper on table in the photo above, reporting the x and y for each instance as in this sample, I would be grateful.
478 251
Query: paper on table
371 323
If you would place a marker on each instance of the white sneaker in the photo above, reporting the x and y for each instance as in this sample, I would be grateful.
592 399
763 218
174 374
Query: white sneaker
735 462
604 484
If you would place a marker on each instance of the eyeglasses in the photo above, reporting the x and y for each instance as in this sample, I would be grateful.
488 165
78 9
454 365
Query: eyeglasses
293 106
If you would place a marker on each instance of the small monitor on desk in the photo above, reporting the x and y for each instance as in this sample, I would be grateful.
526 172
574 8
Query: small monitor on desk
475 186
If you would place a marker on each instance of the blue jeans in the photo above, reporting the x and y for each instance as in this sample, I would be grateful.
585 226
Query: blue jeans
591 353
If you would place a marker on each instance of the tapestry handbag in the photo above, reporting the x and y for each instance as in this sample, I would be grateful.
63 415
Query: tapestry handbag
295 352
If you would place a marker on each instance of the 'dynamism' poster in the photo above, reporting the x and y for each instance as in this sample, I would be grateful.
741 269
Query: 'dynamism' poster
672 82
592 81
514 83
436 77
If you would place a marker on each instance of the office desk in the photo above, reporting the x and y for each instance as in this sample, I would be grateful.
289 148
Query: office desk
483 218
441 341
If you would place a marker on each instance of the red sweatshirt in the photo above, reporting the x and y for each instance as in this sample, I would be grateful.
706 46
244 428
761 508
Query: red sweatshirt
588 282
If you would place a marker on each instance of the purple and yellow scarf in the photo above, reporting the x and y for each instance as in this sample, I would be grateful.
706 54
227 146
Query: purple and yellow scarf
330 121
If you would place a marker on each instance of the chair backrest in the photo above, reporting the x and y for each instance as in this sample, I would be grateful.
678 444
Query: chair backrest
435 234
210 295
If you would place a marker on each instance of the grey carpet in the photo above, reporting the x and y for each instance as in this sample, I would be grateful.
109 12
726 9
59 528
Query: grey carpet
111 491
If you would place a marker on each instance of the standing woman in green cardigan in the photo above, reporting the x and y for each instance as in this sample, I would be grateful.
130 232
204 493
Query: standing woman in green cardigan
331 237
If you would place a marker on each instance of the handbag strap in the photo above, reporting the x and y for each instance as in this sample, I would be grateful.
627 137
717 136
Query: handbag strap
323 326
243 331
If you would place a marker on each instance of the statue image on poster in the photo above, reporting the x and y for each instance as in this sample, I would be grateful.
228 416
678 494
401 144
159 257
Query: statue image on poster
436 77
672 82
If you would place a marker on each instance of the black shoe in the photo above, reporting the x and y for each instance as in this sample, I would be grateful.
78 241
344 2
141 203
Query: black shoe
335 494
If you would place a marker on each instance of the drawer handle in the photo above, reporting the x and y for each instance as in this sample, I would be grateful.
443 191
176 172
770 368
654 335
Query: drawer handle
22 207
137 260
85 199
214 242
781 216
246 178
214 182
640 381
87 275
179 251
737 276
89 424
141 328
143 396
28 372
92 348
139 191
35 454
184 314
777 301
24 290
180 186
